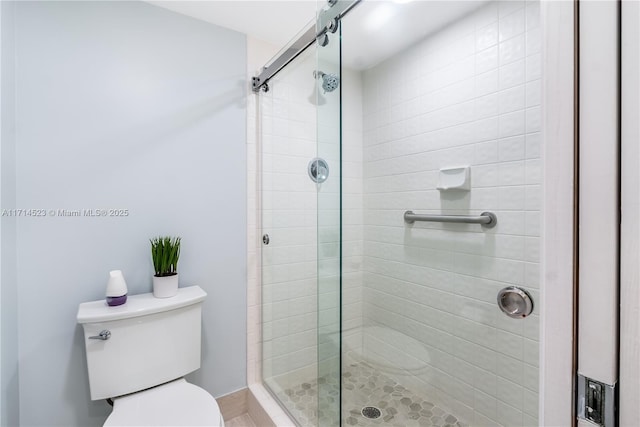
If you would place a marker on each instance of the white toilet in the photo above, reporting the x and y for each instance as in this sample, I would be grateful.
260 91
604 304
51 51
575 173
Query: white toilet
137 355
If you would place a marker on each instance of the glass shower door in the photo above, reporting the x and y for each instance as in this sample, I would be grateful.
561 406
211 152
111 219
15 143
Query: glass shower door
289 238
329 232
372 316
300 214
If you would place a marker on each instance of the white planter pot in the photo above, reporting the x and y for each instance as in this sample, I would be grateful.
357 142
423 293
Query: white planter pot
165 287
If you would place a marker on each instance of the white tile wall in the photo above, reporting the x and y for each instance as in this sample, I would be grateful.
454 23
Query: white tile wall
352 209
467 95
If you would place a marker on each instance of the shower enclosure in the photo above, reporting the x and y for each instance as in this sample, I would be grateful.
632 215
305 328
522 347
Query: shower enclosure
400 183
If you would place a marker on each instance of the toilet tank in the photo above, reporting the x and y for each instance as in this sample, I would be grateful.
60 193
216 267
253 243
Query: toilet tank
152 341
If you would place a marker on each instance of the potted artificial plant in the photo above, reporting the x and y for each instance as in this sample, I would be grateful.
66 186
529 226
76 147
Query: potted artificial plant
165 252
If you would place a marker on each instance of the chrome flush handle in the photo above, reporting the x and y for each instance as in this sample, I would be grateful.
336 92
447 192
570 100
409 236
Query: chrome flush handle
103 335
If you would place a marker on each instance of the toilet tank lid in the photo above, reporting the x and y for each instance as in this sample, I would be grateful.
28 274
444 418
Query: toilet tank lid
138 305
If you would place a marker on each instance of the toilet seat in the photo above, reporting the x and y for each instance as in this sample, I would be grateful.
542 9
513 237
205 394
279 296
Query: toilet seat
177 403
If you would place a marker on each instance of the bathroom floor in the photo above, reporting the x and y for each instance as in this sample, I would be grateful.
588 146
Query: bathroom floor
364 386
244 420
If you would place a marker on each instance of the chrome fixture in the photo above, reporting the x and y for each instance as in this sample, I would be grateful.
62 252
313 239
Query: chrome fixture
318 170
323 40
333 25
515 302
265 239
330 82
103 335
328 21
486 219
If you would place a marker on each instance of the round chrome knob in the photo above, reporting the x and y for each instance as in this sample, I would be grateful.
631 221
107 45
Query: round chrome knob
318 170
515 302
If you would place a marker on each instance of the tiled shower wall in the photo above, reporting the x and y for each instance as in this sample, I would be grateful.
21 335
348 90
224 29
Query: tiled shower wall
352 208
467 95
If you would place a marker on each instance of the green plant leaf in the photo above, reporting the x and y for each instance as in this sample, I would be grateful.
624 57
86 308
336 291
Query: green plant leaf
165 252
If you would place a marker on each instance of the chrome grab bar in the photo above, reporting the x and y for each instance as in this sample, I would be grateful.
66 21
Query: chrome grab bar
486 219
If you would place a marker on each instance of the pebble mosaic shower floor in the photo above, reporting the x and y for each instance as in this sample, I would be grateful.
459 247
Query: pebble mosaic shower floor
364 386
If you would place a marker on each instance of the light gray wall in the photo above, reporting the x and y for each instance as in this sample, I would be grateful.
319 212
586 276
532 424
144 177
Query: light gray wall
125 105
9 407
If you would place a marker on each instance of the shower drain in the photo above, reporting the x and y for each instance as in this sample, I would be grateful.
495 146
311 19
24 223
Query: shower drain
371 412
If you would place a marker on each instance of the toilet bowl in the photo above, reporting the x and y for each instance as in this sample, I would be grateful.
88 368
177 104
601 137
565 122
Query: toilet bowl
138 354
177 403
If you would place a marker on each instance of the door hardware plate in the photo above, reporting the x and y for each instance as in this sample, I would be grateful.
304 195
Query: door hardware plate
596 401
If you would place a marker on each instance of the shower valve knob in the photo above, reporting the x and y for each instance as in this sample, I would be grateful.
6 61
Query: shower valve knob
265 239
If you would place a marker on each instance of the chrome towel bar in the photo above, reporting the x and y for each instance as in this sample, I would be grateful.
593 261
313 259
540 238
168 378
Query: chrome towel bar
486 219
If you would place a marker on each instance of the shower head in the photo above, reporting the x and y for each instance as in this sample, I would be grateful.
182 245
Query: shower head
330 82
